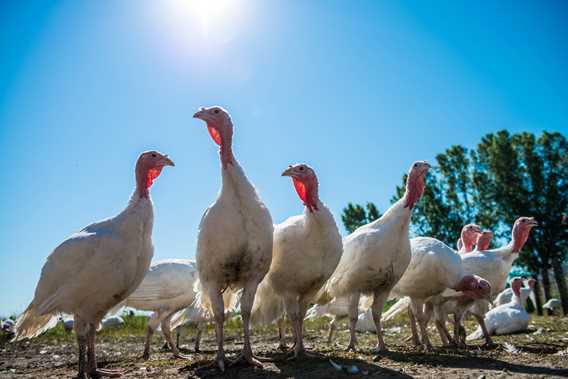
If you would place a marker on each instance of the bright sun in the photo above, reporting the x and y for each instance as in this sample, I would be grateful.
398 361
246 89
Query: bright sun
212 15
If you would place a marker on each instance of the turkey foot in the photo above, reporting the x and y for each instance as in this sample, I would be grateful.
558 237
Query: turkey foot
282 347
247 357
488 345
105 372
219 363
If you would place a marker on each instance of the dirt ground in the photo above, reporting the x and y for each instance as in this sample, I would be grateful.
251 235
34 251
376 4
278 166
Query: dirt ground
540 353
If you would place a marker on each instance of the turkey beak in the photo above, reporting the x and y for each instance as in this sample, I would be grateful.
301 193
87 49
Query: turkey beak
533 222
288 172
199 114
167 161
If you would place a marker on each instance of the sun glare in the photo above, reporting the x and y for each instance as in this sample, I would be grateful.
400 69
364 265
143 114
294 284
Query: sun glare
213 16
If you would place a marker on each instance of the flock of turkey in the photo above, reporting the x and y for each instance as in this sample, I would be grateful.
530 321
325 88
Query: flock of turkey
269 271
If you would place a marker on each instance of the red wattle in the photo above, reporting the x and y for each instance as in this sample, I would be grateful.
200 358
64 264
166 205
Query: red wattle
300 189
152 174
215 135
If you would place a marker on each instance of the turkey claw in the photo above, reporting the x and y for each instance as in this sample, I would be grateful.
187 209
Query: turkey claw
249 359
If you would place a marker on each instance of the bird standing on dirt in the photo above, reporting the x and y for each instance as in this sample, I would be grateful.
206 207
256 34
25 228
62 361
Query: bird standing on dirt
376 255
494 266
434 267
95 269
166 289
234 245
306 251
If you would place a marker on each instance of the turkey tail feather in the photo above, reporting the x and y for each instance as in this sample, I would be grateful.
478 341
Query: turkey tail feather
230 299
268 306
31 324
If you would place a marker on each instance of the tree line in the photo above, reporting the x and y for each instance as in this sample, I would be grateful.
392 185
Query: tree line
505 176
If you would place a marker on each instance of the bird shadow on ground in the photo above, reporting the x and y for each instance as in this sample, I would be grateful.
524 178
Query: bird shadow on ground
276 365
468 361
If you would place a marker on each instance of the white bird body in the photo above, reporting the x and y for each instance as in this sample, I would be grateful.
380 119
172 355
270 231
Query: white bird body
506 295
167 288
234 243
112 322
434 267
240 217
492 265
8 326
506 318
376 255
97 268
306 251
338 307
552 304
114 254
168 284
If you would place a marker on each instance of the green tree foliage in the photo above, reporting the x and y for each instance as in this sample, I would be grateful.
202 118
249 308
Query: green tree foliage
354 215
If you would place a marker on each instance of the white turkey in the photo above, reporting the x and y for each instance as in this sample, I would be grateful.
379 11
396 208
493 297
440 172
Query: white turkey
506 318
305 253
507 294
95 269
234 244
191 315
111 322
468 237
8 326
434 267
376 255
337 309
552 304
492 265
166 289
484 240
195 314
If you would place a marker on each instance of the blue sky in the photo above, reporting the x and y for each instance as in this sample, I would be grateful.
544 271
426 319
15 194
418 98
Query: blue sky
357 89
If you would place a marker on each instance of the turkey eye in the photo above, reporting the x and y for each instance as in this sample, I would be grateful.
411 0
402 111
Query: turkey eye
416 165
301 168
154 155
216 111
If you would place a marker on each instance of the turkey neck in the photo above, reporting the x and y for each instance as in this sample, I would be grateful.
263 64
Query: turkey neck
516 300
466 242
519 238
311 200
226 148
142 190
414 190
